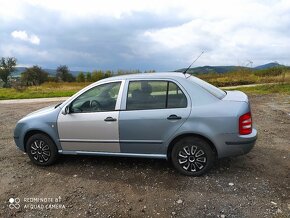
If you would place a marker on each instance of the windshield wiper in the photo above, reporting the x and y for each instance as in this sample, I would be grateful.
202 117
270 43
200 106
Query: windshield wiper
57 105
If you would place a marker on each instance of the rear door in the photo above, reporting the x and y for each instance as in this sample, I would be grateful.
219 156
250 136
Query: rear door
152 111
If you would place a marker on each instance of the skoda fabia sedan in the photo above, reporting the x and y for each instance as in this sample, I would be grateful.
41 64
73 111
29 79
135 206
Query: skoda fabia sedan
174 116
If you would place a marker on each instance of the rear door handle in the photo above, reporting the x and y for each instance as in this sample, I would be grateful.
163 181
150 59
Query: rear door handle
110 119
174 117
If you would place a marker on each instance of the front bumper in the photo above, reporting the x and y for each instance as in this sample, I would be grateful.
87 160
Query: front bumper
18 136
18 143
229 145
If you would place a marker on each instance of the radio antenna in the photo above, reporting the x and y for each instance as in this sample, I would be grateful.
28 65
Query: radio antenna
184 72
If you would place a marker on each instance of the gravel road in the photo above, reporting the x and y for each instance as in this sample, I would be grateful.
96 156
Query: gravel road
254 185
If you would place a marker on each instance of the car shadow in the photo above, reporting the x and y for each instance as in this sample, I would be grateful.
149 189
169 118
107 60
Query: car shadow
136 172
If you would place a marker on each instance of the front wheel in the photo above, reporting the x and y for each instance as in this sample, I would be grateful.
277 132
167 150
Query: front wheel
192 156
41 150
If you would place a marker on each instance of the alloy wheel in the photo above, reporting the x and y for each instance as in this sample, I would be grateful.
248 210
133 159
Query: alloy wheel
191 158
40 151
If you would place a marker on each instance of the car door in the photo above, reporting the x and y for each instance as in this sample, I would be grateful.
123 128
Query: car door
92 122
152 112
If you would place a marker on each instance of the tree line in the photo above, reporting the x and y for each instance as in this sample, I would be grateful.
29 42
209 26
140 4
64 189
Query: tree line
35 75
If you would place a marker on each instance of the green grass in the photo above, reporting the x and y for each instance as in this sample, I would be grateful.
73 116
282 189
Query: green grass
267 89
244 78
46 90
53 89
13 94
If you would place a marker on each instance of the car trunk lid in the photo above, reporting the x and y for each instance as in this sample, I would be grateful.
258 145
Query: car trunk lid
236 96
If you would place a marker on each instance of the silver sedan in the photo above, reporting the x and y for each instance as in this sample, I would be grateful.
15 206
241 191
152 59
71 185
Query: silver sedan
174 116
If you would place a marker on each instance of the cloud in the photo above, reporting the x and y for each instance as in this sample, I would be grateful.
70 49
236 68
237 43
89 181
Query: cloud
160 35
22 35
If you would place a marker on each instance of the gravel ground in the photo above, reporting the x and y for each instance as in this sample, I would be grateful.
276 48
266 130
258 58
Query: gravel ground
254 185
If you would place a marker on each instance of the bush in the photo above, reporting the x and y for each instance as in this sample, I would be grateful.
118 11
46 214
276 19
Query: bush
274 71
34 76
63 74
19 86
81 77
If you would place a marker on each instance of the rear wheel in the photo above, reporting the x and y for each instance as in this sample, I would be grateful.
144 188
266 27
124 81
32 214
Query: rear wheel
192 156
41 150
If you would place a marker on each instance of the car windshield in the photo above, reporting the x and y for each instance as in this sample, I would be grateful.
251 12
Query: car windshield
210 88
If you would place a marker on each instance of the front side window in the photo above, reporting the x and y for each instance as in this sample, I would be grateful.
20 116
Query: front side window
97 99
145 95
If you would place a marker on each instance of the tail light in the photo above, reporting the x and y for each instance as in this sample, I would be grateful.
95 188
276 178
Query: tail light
245 124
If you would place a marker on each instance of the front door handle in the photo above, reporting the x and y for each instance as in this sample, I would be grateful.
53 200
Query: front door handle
110 119
173 117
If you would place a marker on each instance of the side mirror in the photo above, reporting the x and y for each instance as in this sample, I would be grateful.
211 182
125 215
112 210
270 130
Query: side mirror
65 110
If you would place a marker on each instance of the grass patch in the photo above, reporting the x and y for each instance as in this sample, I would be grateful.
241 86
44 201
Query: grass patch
46 90
266 89
54 89
244 78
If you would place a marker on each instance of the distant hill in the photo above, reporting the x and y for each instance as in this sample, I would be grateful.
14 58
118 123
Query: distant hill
210 69
226 69
269 65
195 70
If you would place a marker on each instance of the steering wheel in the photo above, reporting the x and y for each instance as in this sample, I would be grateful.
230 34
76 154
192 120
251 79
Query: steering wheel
95 105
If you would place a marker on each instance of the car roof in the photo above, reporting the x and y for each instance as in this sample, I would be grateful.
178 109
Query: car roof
157 75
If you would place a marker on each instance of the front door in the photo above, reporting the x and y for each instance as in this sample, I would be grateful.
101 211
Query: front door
154 111
92 121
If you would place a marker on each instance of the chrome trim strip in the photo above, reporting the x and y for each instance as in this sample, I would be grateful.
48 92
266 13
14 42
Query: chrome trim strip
142 141
161 156
112 141
89 141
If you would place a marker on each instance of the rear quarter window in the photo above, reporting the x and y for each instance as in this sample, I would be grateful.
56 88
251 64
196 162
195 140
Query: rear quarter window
208 87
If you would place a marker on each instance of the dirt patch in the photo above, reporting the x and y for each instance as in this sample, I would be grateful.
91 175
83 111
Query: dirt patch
254 185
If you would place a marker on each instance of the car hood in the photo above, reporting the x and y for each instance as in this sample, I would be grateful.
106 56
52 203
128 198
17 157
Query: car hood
236 96
39 112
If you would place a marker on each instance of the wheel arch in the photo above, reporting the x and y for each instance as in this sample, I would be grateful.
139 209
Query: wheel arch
179 137
32 132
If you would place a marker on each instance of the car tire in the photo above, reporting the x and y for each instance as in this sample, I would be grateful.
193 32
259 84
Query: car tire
41 150
192 156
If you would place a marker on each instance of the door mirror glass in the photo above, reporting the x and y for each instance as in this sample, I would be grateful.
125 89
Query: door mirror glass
65 110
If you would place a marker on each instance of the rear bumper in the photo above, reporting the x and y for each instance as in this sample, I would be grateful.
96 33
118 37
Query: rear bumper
233 144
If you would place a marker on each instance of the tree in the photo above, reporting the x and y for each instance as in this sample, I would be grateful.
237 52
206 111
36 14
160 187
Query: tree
81 77
34 76
7 66
120 72
97 75
89 77
108 74
63 74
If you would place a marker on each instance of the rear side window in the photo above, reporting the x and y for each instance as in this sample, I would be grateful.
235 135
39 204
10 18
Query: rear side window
145 95
176 98
209 87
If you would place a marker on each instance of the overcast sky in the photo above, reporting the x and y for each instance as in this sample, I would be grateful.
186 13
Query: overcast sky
161 35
